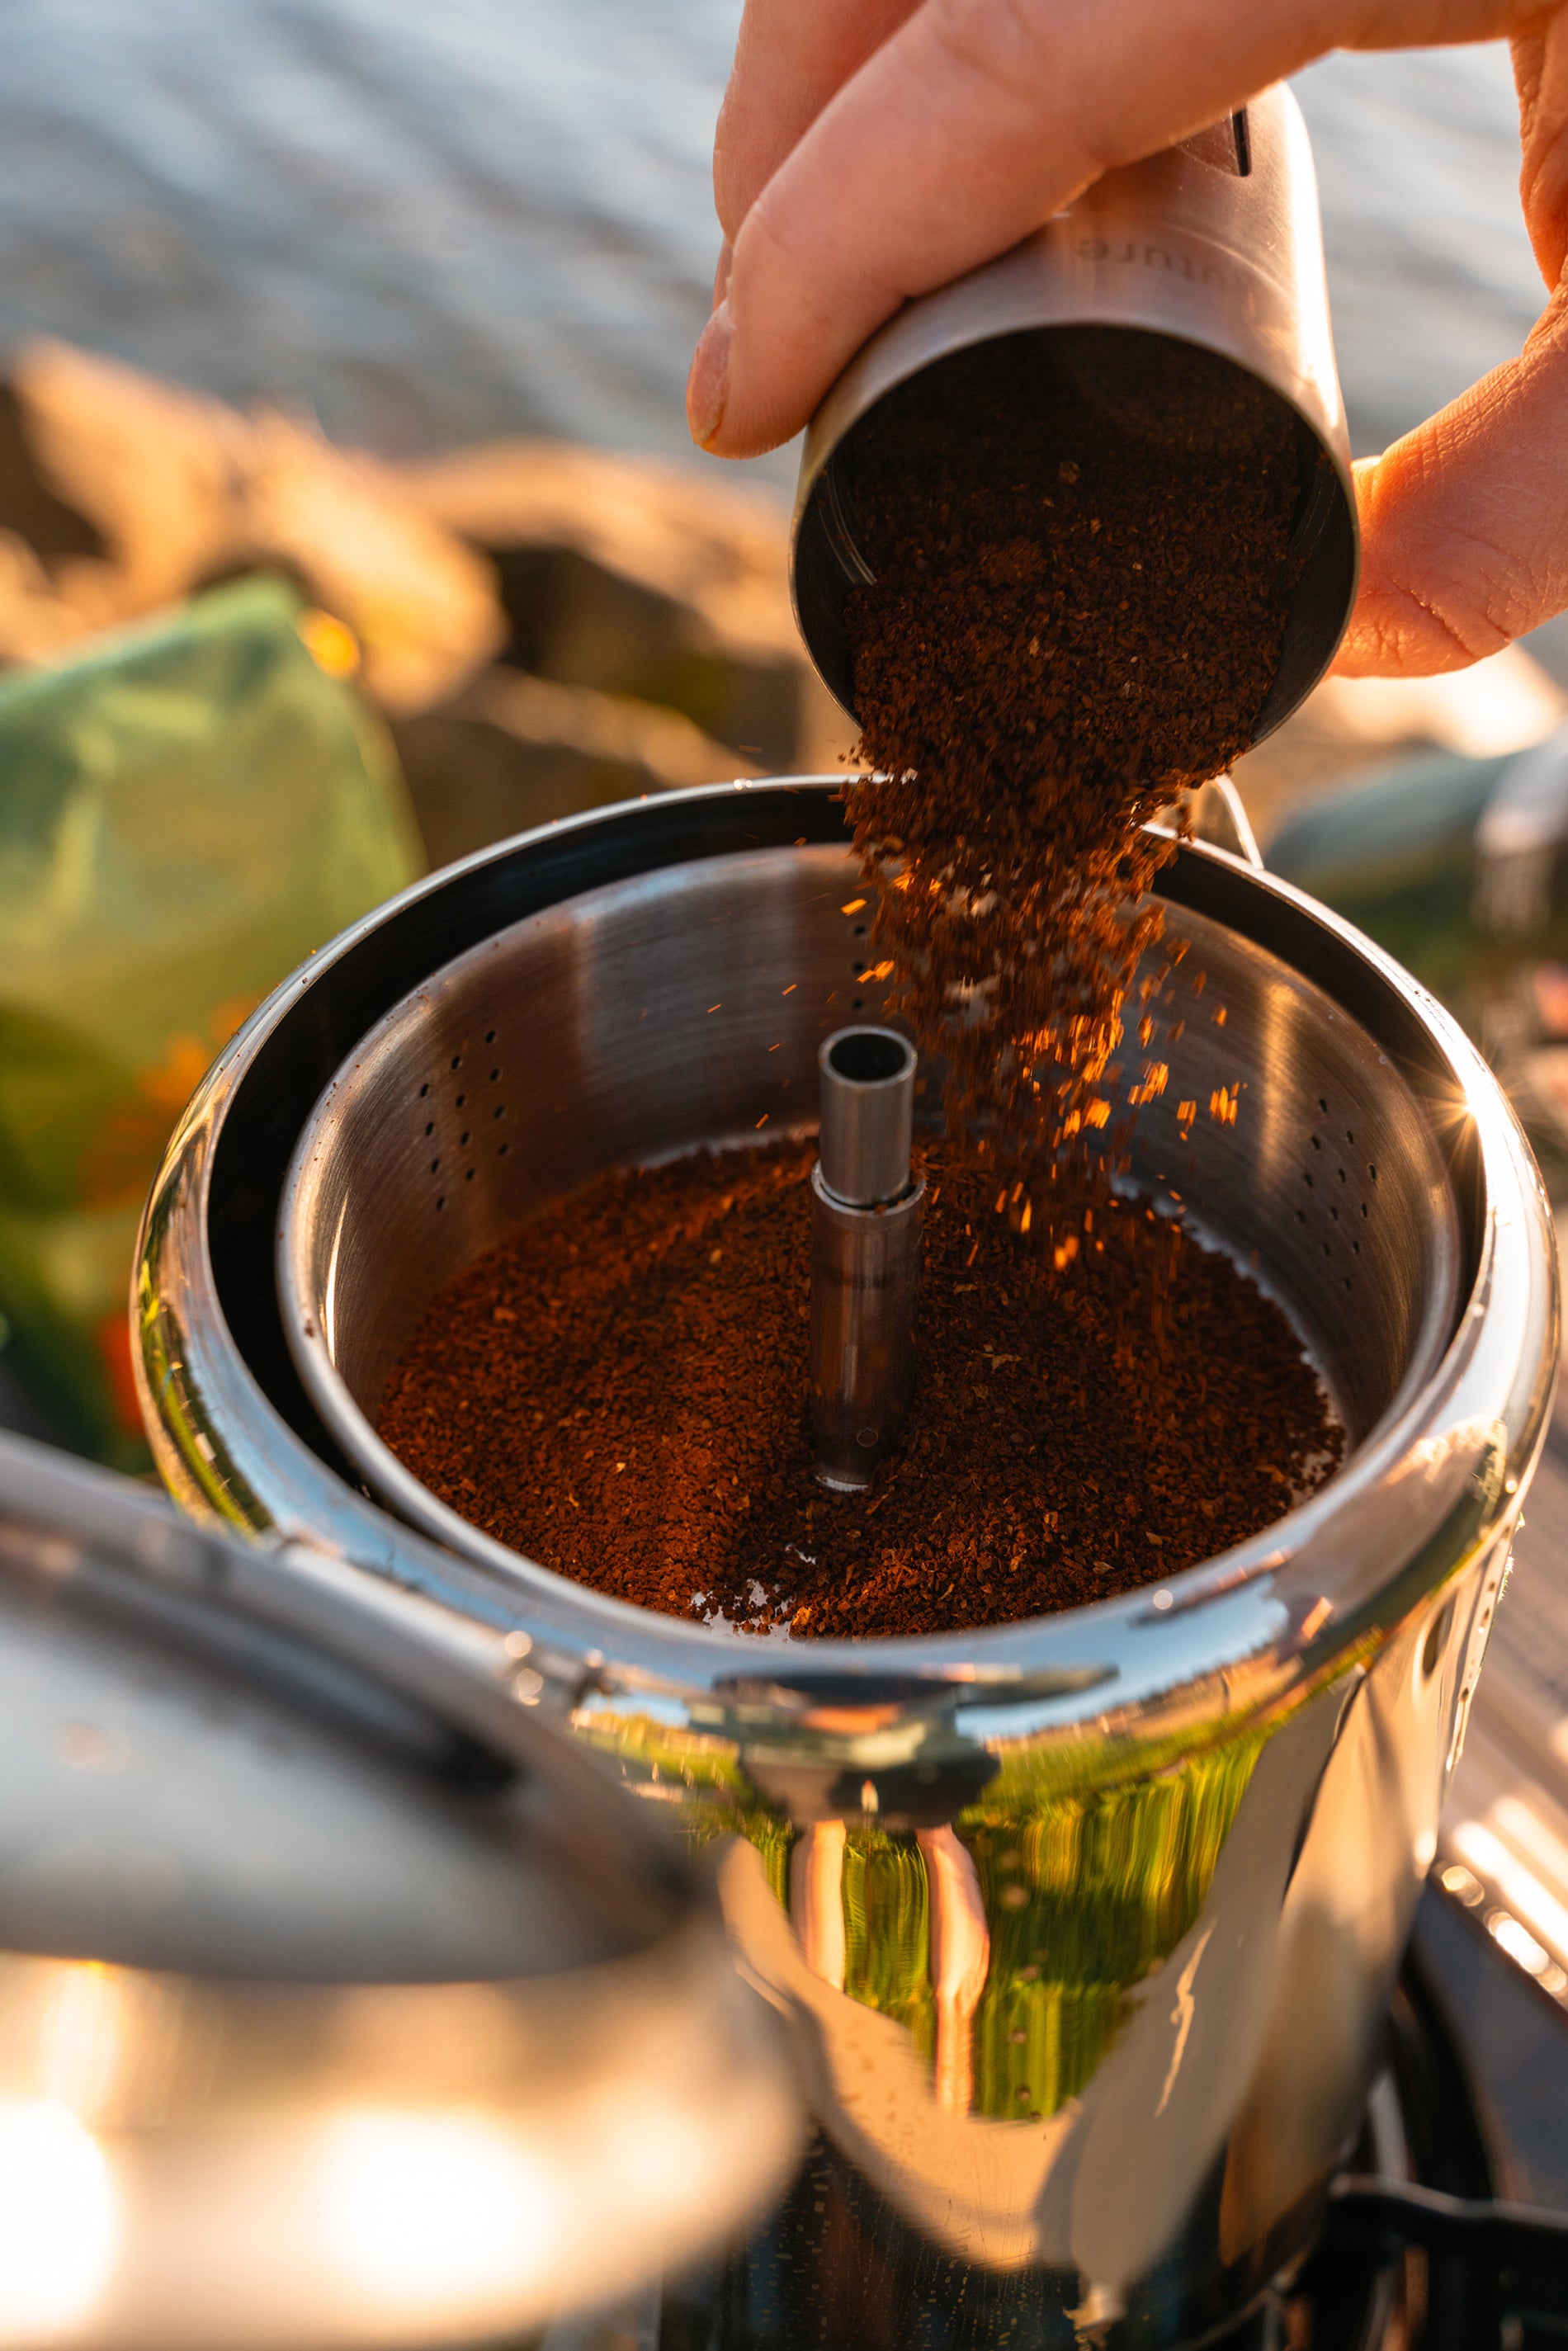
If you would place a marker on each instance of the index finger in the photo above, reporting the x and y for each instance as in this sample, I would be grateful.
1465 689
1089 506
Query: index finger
969 126
790 56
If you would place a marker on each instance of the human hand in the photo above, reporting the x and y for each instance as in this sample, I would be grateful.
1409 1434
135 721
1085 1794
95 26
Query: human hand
869 151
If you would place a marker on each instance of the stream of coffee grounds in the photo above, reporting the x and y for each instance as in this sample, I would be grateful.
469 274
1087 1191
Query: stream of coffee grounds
620 1391
1080 548
1080 545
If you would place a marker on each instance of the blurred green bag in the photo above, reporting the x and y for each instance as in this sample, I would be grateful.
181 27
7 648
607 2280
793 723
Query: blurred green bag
185 813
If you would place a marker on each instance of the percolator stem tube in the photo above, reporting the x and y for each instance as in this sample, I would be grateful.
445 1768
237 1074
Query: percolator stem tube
866 1217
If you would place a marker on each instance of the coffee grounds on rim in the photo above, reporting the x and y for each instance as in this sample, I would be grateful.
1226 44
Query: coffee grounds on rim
620 1393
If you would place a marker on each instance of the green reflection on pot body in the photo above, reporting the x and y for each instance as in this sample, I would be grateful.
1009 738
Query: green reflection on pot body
1086 1889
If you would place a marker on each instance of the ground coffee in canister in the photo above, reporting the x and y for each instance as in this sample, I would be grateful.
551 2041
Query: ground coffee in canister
620 1393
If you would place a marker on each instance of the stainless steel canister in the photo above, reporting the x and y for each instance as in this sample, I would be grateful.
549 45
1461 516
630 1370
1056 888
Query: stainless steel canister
1085 1925
1215 242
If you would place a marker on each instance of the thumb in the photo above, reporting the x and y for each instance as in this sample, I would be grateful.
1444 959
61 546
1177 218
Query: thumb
1465 521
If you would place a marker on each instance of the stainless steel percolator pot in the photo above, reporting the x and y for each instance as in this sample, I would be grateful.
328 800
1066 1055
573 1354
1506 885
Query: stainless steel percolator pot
1086 1925
1217 243
340 2003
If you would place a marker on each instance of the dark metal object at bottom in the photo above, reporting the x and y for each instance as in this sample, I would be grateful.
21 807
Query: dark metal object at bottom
1417 2250
1495 2273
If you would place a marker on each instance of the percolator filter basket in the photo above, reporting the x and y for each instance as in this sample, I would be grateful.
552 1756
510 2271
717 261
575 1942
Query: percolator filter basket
685 1007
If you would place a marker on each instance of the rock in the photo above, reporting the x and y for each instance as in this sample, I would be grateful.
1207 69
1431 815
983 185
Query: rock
516 751
178 489
637 576
1351 727
640 610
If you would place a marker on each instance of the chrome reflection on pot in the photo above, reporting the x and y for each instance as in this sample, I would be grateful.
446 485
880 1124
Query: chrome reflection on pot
1087 1923
337 2006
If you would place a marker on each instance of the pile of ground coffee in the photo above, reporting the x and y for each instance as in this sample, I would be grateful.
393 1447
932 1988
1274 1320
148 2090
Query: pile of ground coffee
1080 545
620 1393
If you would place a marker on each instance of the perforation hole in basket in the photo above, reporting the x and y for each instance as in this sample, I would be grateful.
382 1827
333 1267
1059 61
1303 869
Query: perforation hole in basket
462 1113
858 969
1337 1177
497 1109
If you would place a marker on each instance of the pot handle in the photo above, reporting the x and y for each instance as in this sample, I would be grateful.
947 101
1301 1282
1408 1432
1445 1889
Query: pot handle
1219 819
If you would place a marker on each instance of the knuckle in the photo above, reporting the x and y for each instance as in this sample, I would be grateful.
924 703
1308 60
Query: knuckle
1002 42
1465 614
1493 589
1467 576
1024 58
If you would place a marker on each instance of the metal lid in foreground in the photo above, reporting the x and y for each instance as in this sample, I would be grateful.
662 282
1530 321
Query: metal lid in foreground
336 2007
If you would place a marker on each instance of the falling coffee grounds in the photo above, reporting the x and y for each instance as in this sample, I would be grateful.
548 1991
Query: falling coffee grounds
621 1392
1080 551
1080 555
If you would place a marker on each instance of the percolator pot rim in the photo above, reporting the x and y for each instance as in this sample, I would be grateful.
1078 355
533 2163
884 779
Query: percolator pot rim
1443 1474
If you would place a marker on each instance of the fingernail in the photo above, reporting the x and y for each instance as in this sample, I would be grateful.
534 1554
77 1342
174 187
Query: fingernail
721 275
707 386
